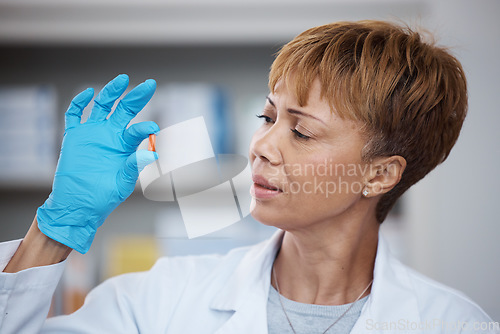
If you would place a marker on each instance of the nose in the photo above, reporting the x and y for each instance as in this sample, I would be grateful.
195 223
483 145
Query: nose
265 145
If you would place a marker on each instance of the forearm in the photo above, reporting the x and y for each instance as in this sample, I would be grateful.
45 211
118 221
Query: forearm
37 250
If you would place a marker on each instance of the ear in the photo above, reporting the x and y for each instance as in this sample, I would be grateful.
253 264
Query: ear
385 173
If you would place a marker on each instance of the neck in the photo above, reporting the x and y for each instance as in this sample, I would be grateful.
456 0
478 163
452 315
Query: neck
329 266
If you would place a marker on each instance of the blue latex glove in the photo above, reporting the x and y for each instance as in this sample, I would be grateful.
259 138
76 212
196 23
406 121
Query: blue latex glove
98 165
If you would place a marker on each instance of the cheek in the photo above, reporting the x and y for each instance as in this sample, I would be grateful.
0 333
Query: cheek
326 177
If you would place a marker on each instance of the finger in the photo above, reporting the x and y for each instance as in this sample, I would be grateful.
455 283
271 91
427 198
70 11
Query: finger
129 173
132 103
73 115
136 133
107 97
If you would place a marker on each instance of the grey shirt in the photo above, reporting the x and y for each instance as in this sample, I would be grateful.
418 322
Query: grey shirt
309 318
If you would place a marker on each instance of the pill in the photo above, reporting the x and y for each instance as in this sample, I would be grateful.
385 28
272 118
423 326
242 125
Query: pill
152 143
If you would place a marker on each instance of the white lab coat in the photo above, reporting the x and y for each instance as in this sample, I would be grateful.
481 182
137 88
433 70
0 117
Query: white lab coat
224 295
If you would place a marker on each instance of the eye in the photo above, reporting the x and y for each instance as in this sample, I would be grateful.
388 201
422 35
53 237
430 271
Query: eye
267 119
299 135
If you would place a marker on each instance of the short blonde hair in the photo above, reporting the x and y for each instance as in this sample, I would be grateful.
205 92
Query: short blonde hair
410 95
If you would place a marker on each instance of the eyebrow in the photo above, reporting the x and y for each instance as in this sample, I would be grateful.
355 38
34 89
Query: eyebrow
296 112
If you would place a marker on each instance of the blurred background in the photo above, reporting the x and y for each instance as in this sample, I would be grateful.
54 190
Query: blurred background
447 226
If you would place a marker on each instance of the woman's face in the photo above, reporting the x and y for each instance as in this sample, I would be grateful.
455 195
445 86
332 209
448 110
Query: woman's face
306 162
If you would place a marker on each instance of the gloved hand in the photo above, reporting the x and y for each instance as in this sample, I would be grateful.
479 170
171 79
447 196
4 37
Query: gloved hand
98 165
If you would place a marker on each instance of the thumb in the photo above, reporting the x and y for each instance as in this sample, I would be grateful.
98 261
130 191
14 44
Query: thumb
136 133
128 174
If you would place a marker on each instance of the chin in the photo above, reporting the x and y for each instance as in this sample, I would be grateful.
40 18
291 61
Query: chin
266 216
261 218
271 217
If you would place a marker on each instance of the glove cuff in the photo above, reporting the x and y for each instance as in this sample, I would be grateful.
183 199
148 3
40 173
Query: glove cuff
66 227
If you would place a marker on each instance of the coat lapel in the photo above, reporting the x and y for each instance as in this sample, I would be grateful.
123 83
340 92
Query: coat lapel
247 290
392 302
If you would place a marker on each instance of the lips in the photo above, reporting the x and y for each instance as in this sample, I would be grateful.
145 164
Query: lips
264 183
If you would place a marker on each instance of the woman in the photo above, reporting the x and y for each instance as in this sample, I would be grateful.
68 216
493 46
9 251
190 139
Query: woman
357 113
